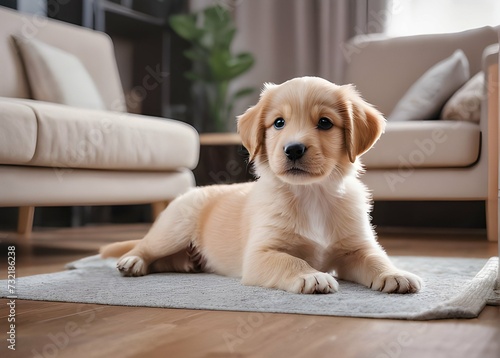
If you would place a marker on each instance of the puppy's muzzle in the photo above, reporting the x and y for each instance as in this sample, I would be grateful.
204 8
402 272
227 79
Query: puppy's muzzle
295 151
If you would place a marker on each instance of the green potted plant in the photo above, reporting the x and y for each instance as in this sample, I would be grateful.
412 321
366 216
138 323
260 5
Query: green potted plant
210 33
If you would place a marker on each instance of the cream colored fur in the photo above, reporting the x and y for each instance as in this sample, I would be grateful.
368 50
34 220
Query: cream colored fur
301 221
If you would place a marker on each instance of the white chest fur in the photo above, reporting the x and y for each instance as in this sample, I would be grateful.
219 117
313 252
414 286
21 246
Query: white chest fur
316 210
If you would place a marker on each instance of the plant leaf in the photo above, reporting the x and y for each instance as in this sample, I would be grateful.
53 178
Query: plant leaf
195 54
218 27
216 17
218 62
184 25
240 64
226 67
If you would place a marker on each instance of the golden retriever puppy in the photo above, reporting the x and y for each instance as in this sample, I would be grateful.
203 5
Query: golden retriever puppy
304 219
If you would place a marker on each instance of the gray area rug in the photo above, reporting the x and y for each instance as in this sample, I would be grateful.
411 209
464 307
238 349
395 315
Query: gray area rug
453 288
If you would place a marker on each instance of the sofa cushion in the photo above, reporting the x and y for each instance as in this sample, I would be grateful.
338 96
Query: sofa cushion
465 104
425 144
93 48
57 76
69 137
427 96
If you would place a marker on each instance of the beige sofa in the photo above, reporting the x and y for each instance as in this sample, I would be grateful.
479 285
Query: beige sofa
54 154
431 159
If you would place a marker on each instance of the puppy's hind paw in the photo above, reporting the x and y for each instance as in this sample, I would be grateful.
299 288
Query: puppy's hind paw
132 266
317 282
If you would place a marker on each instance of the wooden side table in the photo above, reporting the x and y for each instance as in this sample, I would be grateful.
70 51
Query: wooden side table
223 160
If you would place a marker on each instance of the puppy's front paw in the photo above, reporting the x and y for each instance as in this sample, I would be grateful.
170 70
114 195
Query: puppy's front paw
397 282
132 266
317 282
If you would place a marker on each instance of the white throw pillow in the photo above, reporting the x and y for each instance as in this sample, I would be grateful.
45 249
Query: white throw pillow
426 97
57 76
465 104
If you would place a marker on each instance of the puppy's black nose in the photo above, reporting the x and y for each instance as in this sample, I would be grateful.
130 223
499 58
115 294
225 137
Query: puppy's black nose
294 151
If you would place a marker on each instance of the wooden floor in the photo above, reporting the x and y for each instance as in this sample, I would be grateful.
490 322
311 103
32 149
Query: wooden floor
48 329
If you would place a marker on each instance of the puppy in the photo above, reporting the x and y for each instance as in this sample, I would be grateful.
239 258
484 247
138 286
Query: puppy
305 218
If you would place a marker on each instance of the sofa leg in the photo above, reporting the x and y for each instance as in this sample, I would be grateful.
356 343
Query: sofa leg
158 207
25 220
492 218
493 153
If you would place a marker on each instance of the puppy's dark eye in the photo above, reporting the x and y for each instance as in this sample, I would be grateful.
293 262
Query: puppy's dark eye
324 124
279 123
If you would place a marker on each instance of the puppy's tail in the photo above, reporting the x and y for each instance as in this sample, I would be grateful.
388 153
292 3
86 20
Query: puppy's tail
117 249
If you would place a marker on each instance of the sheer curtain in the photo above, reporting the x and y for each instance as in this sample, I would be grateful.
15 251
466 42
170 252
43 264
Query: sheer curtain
291 38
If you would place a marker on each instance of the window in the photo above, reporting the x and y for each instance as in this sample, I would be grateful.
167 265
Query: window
412 17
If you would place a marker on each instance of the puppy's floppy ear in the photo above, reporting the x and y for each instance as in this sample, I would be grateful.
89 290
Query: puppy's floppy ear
251 124
363 124
249 128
